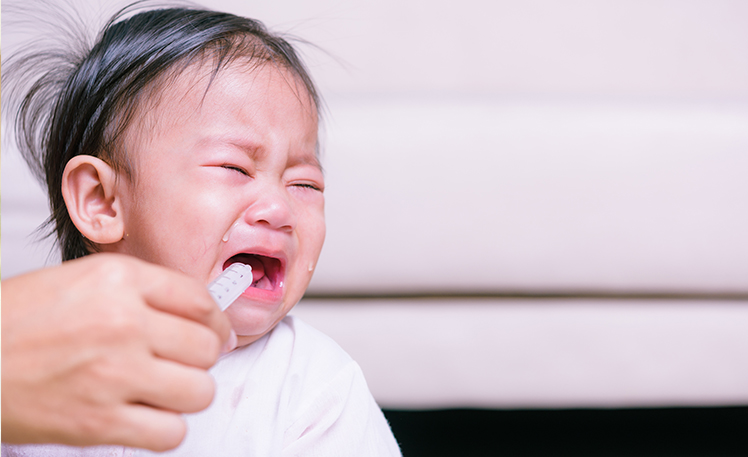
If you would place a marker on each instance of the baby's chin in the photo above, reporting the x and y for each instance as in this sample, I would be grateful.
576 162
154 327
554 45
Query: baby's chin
247 336
242 341
251 324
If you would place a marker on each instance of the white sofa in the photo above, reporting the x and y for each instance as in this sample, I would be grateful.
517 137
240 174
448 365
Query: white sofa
591 255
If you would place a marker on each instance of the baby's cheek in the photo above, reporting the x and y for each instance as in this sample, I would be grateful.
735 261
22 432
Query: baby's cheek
314 229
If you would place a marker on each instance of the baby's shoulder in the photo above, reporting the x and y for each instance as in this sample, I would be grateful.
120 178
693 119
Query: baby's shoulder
296 365
307 348
292 349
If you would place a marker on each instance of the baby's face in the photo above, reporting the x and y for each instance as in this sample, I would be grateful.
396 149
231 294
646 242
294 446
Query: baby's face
230 175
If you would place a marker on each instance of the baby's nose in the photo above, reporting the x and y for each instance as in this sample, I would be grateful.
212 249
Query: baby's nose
273 209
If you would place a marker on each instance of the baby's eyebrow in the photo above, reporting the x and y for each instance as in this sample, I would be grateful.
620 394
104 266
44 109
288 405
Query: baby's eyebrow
221 141
246 145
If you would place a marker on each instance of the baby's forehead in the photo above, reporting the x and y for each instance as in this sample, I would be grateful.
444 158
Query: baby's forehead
194 83
267 98
185 92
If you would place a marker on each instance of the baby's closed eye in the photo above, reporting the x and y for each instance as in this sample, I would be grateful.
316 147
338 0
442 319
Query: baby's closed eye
235 168
308 185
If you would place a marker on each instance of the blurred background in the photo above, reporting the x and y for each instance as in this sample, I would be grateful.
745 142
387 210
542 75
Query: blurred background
537 216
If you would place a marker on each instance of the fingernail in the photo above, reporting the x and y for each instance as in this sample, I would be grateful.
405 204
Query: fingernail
230 344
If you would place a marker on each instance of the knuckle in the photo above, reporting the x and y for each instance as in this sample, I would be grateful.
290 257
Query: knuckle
123 323
108 323
116 326
108 376
203 309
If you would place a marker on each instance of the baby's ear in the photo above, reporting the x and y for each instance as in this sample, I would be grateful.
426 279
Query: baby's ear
89 187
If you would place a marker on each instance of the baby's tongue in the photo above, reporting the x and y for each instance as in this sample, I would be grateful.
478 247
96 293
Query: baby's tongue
258 268
259 280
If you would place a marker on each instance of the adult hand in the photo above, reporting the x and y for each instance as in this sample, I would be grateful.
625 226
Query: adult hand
107 349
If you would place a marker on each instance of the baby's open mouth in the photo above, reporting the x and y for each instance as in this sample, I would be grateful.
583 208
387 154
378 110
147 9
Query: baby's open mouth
266 271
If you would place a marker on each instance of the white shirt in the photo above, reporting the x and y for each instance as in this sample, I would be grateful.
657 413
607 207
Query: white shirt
294 392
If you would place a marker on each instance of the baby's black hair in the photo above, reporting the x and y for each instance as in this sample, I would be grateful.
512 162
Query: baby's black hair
85 107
